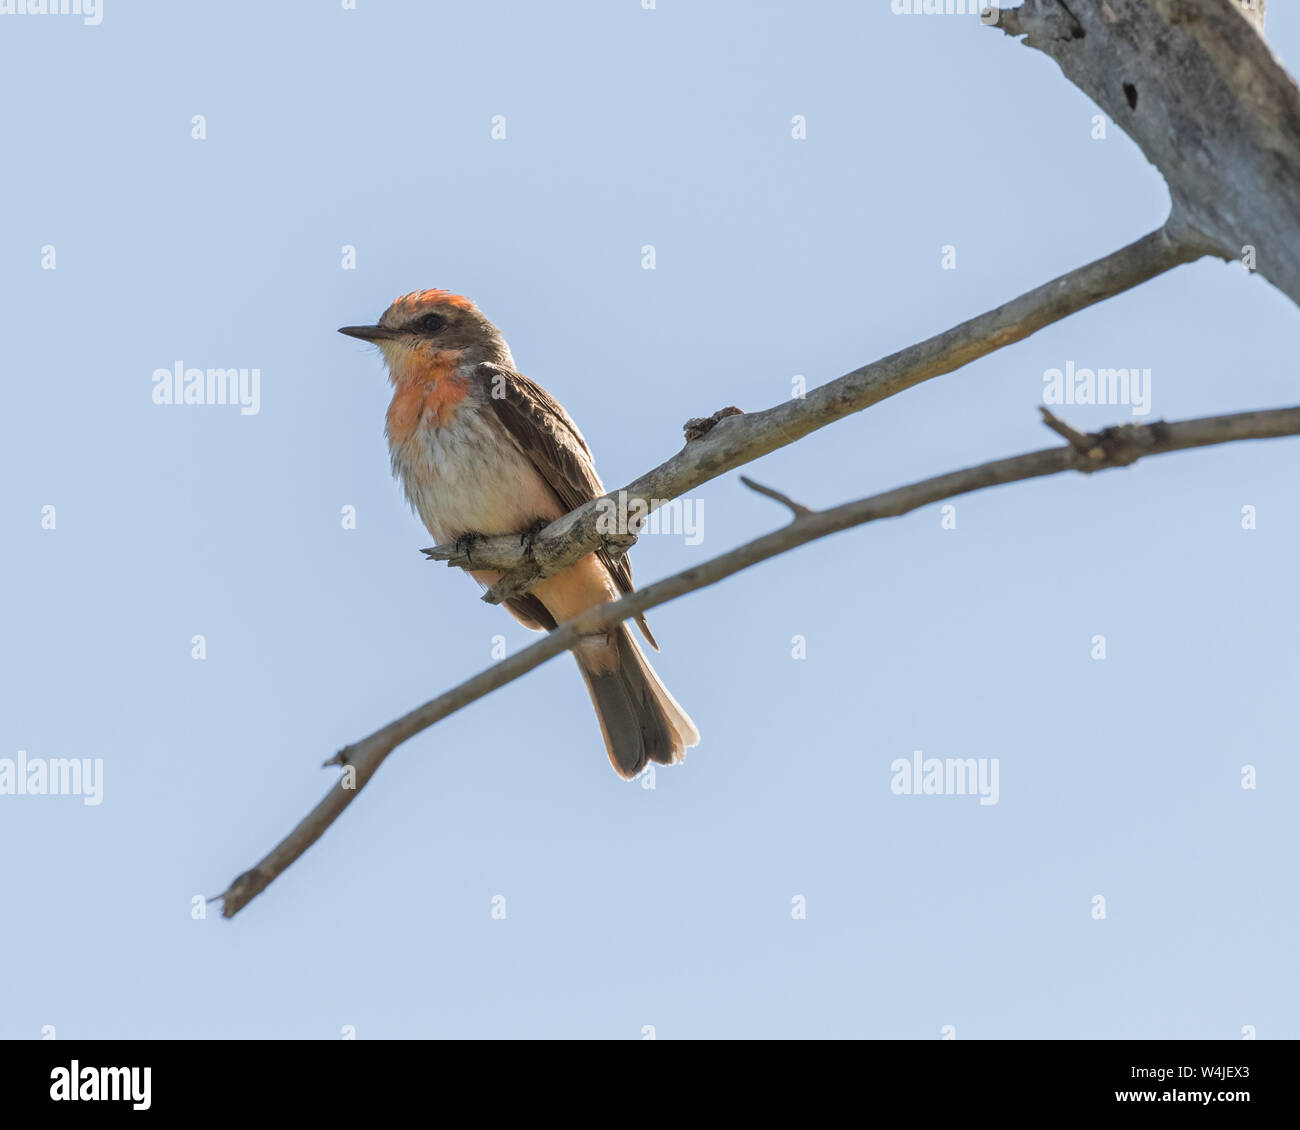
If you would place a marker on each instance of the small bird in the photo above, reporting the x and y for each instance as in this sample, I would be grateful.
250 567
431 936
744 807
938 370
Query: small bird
480 451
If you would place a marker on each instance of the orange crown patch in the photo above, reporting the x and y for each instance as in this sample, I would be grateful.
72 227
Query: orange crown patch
434 298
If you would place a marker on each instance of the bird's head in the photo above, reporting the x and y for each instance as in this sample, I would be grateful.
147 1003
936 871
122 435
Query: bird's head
428 327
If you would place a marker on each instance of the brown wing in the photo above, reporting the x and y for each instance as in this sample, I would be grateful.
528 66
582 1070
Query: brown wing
553 444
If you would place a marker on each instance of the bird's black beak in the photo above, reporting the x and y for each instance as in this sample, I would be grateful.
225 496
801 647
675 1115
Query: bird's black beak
369 333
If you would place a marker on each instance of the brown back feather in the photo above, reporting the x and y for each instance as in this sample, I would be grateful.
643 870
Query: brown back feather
553 444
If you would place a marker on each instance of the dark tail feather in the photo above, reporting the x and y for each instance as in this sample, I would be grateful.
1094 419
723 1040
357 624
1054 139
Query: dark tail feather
640 720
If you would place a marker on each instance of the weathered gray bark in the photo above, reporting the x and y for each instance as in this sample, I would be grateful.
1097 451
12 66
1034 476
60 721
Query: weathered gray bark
1198 88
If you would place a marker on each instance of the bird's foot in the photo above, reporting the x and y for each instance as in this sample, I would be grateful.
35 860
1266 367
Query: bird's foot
465 545
529 536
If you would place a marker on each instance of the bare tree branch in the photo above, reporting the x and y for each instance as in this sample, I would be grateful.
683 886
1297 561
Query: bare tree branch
738 438
1119 446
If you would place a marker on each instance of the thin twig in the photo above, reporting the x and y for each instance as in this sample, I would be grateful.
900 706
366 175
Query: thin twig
798 509
1083 444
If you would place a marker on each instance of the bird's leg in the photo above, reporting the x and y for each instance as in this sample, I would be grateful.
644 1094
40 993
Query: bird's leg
529 536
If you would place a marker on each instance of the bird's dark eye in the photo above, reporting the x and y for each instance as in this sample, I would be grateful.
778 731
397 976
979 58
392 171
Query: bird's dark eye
430 323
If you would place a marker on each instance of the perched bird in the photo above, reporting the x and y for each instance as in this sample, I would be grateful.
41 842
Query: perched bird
482 450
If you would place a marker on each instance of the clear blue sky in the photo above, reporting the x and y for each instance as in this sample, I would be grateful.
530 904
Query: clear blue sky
626 907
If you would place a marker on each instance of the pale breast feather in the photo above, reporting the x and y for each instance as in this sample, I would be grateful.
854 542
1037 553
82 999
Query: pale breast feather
467 477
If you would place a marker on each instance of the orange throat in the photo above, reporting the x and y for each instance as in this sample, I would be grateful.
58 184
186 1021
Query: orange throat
427 391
